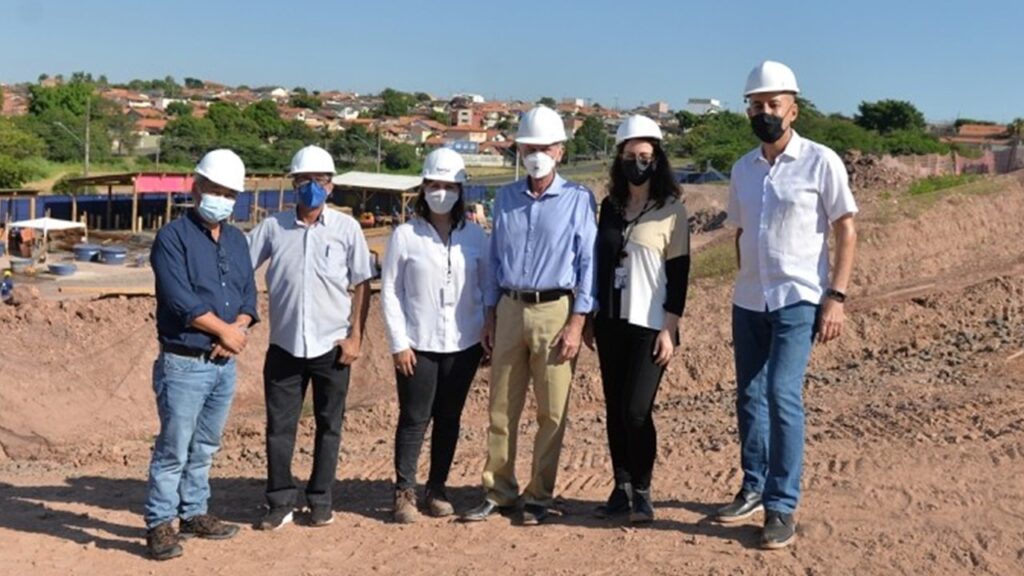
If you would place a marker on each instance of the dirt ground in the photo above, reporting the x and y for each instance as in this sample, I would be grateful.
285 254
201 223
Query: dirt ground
914 461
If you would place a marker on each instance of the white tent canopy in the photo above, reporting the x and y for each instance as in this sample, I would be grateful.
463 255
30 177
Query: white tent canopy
374 181
47 224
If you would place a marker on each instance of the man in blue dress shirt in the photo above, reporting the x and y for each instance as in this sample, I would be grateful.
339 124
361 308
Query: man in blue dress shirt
540 289
205 303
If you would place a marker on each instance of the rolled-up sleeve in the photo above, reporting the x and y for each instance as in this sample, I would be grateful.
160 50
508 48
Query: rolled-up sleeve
167 258
586 237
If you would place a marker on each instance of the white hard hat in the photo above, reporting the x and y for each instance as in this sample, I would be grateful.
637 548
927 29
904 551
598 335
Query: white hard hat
444 165
540 125
637 126
312 160
770 76
223 167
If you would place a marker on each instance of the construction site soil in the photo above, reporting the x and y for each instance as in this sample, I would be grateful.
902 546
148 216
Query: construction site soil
915 433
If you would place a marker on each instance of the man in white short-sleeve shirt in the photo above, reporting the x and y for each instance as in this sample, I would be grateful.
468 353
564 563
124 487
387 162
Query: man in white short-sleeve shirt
316 329
785 197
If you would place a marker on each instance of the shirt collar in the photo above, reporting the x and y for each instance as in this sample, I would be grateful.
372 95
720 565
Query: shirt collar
197 220
791 152
557 185
302 224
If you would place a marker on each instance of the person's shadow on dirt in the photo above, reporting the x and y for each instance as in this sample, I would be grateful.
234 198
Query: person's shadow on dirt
41 509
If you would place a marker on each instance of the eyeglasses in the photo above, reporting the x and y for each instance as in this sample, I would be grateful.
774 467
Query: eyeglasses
322 179
642 158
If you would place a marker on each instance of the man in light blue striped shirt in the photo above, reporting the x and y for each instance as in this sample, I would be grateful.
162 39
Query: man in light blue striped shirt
540 289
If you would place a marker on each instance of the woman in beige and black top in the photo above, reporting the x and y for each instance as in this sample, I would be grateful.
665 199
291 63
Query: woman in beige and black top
643 262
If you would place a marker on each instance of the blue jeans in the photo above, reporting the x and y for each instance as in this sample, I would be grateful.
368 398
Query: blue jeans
193 397
772 350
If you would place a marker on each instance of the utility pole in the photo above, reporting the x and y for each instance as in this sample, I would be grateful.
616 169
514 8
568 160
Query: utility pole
88 119
378 148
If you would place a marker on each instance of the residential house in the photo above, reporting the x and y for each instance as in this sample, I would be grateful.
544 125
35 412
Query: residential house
702 106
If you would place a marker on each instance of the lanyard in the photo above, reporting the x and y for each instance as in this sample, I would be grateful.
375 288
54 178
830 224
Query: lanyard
627 230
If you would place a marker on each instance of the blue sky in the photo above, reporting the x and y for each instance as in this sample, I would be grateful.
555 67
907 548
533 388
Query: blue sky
952 59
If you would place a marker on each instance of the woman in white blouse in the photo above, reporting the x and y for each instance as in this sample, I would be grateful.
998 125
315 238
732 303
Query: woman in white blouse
432 292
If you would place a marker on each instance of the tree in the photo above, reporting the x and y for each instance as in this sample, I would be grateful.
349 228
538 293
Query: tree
228 119
887 116
17 143
194 83
178 108
266 117
400 156
720 139
591 137
303 100
547 101
14 173
687 119
422 97
186 139
395 103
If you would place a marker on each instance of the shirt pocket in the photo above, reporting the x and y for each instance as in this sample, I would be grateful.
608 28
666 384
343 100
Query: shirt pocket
332 260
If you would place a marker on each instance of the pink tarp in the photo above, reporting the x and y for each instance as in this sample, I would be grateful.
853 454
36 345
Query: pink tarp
163 182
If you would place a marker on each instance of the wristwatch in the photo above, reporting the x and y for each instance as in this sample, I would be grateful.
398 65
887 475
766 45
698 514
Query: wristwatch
835 295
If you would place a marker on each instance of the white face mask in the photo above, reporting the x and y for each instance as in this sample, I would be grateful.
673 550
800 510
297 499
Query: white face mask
214 209
538 164
441 200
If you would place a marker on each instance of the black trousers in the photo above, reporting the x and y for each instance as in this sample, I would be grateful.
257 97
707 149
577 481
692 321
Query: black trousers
630 378
285 379
436 390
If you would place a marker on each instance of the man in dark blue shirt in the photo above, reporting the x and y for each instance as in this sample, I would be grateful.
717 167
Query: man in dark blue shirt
206 301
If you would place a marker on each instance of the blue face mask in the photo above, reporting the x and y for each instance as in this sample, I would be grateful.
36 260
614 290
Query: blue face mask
311 194
214 208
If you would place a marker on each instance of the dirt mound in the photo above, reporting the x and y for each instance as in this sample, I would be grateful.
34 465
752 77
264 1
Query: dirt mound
870 172
80 372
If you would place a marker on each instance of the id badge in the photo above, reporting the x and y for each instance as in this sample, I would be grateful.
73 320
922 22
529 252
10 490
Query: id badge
448 294
620 278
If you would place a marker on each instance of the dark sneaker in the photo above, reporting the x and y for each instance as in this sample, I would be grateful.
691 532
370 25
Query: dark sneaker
620 502
534 514
207 526
405 506
746 504
643 508
437 503
320 516
779 530
485 510
276 518
162 542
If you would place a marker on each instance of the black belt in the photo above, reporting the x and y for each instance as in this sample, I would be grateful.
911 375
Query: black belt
183 350
530 297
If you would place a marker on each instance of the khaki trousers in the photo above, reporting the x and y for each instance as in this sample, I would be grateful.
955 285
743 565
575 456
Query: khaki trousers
522 350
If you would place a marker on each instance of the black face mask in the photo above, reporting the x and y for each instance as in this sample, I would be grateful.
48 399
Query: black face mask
636 172
767 127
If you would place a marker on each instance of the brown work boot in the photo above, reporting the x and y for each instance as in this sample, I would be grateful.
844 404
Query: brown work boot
207 526
405 506
162 542
438 505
